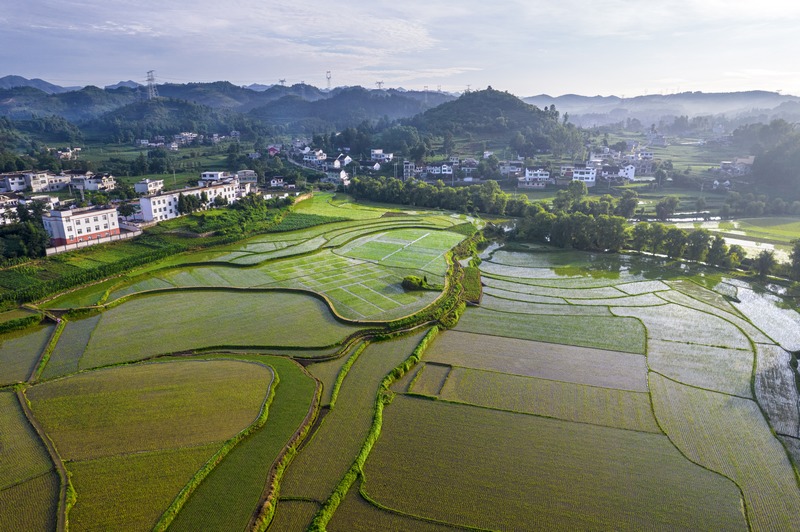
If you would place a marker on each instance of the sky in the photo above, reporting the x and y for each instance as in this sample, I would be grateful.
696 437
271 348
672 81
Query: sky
526 47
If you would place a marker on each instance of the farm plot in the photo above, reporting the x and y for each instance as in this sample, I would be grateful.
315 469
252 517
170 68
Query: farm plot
357 289
31 505
548 398
24 455
515 469
131 492
709 297
580 365
680 324
642 287
236 484
323 462
682 299
780 324
429 379
491 289
152 425
149 407
198 319
294 514
19 352
418 249
776 389
717 369
491 302
330 205
355 514
729 435
604 292
70 347
602 332
328 371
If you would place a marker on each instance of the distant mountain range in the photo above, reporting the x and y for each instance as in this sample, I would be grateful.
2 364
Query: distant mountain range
589 111
305 108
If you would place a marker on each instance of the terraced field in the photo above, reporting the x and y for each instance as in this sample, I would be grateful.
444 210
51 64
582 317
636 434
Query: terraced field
585 391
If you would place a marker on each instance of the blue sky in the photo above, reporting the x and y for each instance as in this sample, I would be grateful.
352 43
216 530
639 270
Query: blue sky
622 47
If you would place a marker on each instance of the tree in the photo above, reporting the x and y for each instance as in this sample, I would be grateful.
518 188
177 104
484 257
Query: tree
697 247
764 263
126 209
718 252
794 268
675 242
666 207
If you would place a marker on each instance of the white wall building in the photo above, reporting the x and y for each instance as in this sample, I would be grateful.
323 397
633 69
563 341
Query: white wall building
80 225
164 206
149 186
378 155
588 175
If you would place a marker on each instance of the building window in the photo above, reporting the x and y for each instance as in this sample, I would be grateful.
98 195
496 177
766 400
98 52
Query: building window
80 231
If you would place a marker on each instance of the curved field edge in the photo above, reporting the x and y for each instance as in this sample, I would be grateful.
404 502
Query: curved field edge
384 397
170 513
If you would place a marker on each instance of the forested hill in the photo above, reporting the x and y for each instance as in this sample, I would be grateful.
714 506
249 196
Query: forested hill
164 116
503 116
345 108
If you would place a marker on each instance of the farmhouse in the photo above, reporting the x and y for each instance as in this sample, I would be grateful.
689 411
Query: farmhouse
149 186
537 178
164 205
80 225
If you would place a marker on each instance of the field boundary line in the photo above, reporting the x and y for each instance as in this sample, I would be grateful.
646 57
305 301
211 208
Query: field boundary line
66 493
404 247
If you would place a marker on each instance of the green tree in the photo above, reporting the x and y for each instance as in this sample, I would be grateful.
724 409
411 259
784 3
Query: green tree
666 207
675 242
794 268
697 245
718 252
764 263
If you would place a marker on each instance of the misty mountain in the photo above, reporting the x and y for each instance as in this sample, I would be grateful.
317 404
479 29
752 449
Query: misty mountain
345 107
129 84
600 110
11 82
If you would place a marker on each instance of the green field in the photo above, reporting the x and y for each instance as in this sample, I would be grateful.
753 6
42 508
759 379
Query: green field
553 399
149 407
237 483
580 365
135 329
602 332
514 469
730 436
318 468
32 505
70 347
24 455
20 351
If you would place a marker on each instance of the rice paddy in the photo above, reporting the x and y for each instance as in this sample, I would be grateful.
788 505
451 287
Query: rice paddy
584 391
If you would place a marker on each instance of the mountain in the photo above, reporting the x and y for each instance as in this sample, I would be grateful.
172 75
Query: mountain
599 110
486 111
163 116
344 107
90 102
129 84
11 82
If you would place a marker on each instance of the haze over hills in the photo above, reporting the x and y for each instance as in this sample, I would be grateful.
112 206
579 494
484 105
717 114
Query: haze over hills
302 107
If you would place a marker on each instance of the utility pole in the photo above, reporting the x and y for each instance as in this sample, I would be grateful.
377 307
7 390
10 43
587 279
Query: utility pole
328 77
152 92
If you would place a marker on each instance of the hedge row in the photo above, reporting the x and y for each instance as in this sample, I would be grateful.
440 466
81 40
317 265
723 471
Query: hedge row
344 370
51 345
266 512
170 513
21 323
472 285
384 397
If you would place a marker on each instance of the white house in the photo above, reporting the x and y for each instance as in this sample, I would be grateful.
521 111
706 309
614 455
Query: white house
314 156
627 172
95 183
149 186
586 174
378 155
537 178
247 176
80 225
276 182
8 205
164 205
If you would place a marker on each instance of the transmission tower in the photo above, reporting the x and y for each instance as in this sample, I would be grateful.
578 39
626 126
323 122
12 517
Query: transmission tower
282 82
152 92
379 84
426 95
328 77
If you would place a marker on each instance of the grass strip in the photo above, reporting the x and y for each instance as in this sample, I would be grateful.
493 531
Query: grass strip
45 356
384 397
343 372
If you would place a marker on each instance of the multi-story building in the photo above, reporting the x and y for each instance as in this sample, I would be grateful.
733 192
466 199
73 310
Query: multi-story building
149 186
94 182
19 181
537 178
378 155
164 205
80 225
